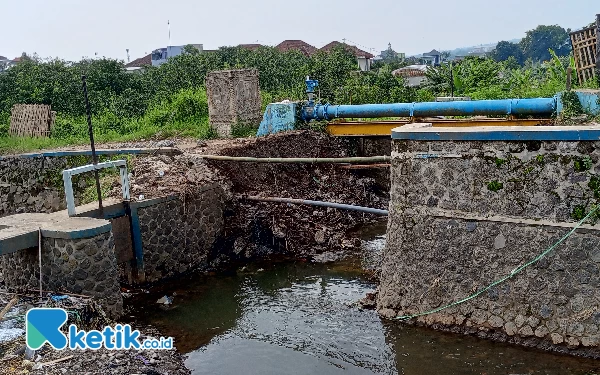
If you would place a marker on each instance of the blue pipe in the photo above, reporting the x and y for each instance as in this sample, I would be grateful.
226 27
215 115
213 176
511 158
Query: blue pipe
502 107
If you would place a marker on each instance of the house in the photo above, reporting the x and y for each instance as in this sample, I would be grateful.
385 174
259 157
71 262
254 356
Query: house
432 58
364 59
161 55
413 74
297 45
6 63
139 64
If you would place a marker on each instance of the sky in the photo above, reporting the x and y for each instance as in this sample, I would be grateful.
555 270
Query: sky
72 29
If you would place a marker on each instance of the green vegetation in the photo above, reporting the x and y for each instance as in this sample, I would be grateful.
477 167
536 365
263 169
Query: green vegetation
535 45
594 185
170 100
582 164
578 212
571 104
500 162
495 186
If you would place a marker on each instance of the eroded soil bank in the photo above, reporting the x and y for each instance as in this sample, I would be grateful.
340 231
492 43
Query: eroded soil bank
255 229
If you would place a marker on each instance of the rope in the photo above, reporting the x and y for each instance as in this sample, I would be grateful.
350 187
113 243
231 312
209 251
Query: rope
512 273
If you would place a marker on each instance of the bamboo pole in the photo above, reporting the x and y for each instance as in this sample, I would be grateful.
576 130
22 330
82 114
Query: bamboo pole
368 166
10 305
248 159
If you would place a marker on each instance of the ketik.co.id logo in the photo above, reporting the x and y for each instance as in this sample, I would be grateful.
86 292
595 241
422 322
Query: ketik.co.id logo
44 324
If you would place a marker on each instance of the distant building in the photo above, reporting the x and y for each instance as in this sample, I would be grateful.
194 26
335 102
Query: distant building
161 55
478 52
139 64
390 54
6 63
413 74
432 58
297 45
364 59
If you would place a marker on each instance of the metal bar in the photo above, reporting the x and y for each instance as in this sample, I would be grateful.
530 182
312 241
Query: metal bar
247 159
69 192
91 132
384 128
318 203
125 183
456 108
91 167
138 250
68 184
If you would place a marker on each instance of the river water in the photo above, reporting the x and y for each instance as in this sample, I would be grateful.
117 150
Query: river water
300 318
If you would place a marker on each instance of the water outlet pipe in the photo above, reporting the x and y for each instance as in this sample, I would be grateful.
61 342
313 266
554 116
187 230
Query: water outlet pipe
504 107
340 206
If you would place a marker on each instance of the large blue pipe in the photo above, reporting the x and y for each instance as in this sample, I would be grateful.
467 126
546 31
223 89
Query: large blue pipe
539 106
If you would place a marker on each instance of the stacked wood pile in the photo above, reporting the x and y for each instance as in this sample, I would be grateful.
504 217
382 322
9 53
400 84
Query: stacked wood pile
31 120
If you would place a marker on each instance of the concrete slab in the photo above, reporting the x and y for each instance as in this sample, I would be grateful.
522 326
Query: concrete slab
499 133
21 231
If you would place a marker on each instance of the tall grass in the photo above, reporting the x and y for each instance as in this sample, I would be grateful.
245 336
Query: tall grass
182 114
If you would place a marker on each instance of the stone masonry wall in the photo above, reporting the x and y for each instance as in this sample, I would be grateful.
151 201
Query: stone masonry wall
178 235
465 214
83 266
34 184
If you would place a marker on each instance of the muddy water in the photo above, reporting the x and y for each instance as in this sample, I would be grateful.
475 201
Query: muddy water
299 318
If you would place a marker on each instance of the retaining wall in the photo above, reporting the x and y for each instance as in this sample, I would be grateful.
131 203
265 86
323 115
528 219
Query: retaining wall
85 266
467 209
33 184
178 233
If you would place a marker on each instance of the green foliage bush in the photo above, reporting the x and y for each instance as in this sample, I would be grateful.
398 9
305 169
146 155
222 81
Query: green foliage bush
171 99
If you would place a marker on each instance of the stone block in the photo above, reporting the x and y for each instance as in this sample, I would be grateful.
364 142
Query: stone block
233 98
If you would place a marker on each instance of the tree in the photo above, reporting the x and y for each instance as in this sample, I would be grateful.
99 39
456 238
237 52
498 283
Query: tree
538 41
191 49
505 49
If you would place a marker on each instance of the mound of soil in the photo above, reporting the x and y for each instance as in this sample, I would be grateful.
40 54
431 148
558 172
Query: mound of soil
298 229
256 228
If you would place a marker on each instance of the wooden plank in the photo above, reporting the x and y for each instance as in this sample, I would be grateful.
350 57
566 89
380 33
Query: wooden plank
585 50
598 45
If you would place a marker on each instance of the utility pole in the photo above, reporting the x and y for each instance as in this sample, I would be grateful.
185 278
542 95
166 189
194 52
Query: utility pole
93 146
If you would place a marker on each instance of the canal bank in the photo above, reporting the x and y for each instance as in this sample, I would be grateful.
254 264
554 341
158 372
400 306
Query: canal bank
297 317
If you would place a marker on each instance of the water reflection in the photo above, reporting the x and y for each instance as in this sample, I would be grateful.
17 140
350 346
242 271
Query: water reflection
298 318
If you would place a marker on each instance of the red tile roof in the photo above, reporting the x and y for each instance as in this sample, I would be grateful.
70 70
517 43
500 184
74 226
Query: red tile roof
141 62
355 50
296 45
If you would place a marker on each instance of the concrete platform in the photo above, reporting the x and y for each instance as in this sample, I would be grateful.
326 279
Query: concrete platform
425 132
21 231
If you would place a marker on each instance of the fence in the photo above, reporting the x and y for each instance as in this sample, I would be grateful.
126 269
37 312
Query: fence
31 120
585 49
